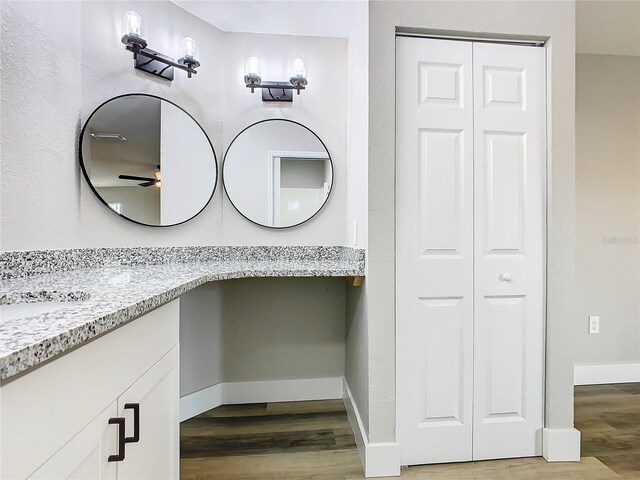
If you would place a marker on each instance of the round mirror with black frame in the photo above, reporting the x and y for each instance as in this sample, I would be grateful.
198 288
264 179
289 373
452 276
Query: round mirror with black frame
148 160
277 173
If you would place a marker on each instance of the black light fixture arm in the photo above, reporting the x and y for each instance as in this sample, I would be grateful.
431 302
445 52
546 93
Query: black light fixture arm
189 65
276 86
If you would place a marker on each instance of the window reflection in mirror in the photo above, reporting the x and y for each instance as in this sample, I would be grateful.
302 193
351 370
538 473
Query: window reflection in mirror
277 173
148 160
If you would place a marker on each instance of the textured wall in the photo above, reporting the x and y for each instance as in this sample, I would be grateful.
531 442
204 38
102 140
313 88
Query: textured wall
607 208
77 62
356 360
292 328
201 338
608 27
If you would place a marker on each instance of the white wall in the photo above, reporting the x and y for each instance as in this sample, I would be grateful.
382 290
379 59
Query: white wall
608 207
138 203
608 27
322 108
183 150
357 360
553 19
293 328
76 61
201 341
357 128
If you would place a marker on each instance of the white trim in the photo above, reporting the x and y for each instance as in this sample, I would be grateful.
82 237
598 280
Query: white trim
258 392
561 444
599 374
283 390
273 178
200 401
299 154
359 432
418 33
378 459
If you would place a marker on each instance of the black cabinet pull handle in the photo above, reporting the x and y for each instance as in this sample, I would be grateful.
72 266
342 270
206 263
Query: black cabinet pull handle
119 421
136 422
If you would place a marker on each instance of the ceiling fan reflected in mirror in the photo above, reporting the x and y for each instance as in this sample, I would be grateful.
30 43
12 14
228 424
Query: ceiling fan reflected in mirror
156 181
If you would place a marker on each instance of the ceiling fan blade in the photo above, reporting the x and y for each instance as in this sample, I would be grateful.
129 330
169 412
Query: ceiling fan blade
135 177
147 184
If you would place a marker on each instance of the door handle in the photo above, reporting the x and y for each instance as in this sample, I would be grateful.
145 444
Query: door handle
136 422
118 457
505 277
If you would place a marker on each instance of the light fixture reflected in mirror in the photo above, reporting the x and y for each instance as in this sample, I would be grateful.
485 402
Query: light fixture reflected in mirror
275 91
151 61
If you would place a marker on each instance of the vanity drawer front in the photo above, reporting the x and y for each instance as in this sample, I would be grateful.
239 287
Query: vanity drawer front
43 409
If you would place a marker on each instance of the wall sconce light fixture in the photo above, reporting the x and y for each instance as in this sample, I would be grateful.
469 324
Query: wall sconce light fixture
151 61
275 91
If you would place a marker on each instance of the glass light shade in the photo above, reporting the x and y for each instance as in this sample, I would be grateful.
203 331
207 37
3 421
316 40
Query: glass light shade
298 69
189 47
253 66
131 24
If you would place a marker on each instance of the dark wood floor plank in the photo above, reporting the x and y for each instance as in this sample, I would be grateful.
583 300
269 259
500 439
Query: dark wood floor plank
256 425
290 408
262 444
242 410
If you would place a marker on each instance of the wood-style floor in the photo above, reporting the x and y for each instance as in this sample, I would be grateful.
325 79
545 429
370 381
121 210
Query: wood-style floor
609 418
313 440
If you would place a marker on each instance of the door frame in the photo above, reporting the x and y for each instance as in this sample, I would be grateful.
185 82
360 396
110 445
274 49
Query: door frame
496 39
273 176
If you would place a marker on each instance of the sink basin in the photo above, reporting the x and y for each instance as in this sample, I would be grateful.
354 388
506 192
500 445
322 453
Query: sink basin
27 304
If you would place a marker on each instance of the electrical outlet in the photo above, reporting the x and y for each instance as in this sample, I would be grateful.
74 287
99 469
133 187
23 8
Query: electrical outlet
355 233
594 324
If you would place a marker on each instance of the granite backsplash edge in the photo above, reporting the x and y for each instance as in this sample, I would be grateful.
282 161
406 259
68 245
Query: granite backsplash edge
26 263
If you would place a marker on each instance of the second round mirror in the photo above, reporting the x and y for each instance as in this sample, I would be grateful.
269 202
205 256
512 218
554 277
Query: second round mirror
277 173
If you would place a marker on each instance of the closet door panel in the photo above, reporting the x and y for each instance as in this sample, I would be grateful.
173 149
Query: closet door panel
509 213
434 250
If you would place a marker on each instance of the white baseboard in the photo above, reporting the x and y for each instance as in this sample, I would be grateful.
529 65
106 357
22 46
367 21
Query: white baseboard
606 373
561 444
200 401
359 432
378 459
283 390
230 393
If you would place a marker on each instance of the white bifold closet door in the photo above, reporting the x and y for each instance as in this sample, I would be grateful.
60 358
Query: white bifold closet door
470 221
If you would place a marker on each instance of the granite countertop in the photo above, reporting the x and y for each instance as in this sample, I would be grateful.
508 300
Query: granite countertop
104 297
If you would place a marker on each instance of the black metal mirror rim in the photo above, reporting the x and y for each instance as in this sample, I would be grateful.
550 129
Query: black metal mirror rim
94 190
224 163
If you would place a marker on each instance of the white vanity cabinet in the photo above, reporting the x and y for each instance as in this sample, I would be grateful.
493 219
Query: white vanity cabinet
55 419
85 456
